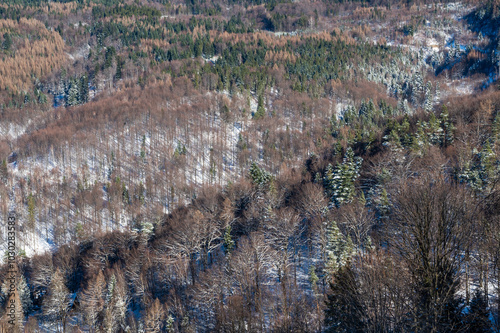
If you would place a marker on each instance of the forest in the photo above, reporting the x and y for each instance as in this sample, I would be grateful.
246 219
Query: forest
250 166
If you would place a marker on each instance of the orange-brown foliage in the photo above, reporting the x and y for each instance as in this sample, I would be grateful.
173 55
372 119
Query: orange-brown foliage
33 58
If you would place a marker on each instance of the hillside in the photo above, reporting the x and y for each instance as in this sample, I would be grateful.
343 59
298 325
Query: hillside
252 166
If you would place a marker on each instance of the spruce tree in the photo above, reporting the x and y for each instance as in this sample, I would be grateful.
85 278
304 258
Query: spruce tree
339 181
428 98
83 93
447 128
338 249
73 93
228 241
261 111
258 176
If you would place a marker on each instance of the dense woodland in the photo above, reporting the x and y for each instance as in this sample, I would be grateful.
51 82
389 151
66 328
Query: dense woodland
251 166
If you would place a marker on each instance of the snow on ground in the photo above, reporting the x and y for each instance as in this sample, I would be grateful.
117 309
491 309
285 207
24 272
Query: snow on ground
97 162
199 173
12 131
434 40
212 60
80 53
341 107
463 88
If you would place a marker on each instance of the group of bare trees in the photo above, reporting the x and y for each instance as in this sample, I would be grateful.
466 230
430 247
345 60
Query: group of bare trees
185 201
122 159
257 257
413 247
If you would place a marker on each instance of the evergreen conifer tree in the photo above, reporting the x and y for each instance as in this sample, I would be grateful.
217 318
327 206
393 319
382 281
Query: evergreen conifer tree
335 249
447 127
228 240
83 93
258 176
7 41
428 99
261 111
339 181
73 93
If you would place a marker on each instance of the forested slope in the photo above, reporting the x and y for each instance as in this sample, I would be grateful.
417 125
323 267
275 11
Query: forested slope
251 166
357 238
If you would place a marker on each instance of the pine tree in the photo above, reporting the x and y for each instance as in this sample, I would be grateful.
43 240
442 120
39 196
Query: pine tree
406 107
435 130
363 109
393 139
180 150
437 93
313 278
125 195
119 67
418 87
384 205
400 106
488 161
495 129
169 326
403 106
421 137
